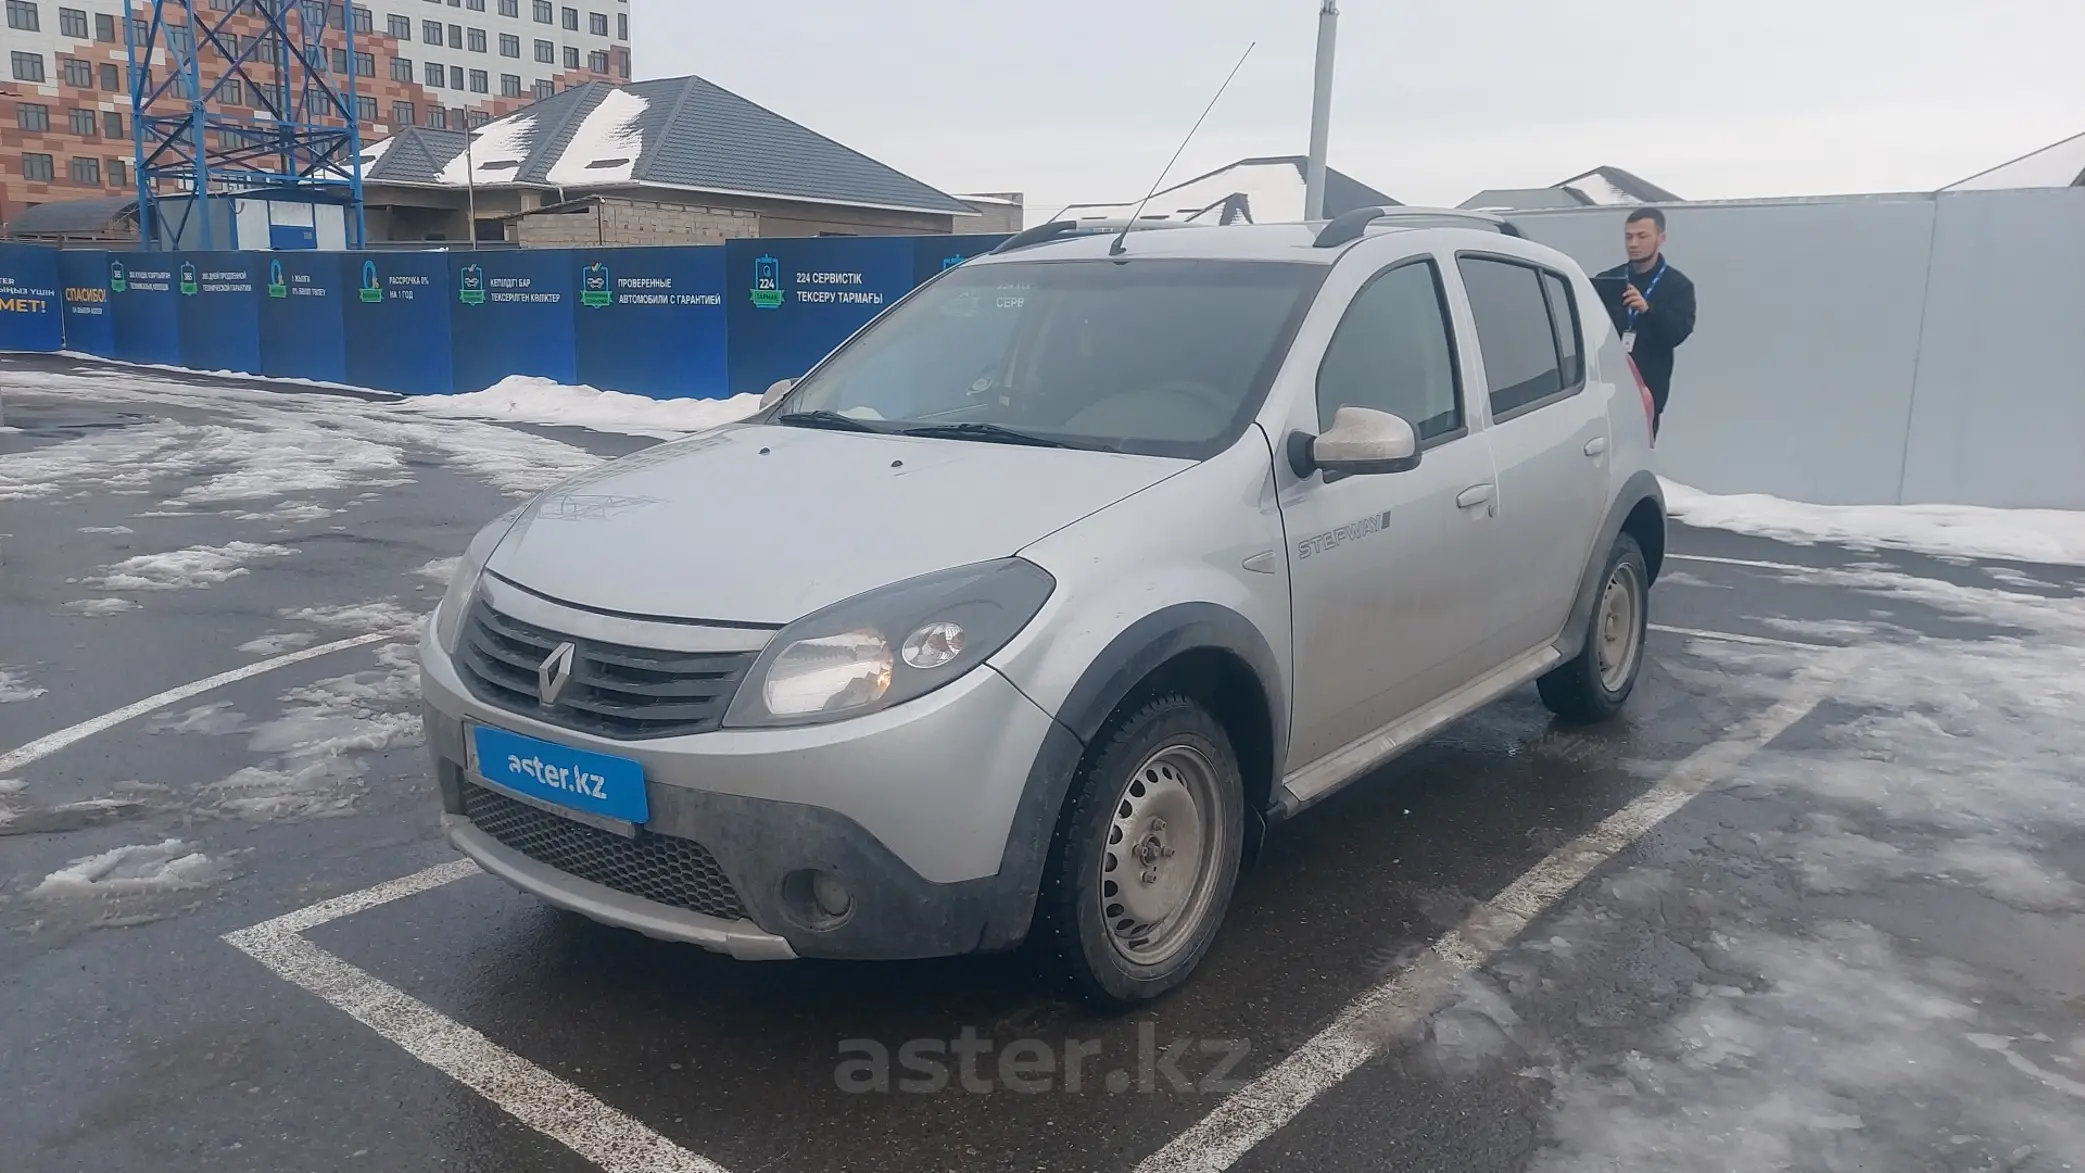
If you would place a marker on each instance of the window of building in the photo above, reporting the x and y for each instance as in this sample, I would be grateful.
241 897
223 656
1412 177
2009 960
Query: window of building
510 7
437 74
510 85
622 64
401 69
72 22
87 172
399 26
571 56
510 45
597 61
456 77
78 72
112 79
1515 333
474 118
21 14
622 26
546 12
571 20
119 173
431 31
546 52
456 36
545 89
365 21
437 118
365 108
365 64
105 27
112 124
340 61
1392 353
84 123
481 82
475 5
405 113
597 23
233 93
31 116
475 40
27 66
39 168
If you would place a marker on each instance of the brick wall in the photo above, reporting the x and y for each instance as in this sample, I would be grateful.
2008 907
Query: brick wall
60 98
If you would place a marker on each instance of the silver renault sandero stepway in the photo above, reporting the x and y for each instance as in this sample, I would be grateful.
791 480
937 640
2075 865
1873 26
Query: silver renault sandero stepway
1022 613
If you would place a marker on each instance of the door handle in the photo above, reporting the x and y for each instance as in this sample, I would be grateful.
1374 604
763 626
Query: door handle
1474 496
1596 446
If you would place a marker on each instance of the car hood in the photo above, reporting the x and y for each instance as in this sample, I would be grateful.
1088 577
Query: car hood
763 525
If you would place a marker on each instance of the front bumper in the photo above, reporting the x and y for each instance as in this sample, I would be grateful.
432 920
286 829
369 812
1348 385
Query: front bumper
936 815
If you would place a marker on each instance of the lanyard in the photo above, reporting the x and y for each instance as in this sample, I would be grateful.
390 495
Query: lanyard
1648 289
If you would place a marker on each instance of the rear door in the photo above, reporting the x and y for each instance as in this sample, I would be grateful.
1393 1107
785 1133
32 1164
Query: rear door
1549 437
1385 568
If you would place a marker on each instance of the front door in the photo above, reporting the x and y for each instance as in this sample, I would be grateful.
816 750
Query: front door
1385 568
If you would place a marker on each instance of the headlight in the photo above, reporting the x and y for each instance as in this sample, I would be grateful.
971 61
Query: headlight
891 645
448 616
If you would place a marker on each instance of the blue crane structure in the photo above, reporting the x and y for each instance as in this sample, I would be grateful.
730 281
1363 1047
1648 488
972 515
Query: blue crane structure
241 98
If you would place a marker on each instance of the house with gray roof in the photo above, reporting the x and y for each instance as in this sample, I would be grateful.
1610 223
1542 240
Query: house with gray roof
669 161
1609 187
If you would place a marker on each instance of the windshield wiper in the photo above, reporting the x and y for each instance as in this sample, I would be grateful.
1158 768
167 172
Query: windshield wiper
831 420
989 433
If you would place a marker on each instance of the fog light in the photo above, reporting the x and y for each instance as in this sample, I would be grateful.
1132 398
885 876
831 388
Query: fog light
831 895
817 900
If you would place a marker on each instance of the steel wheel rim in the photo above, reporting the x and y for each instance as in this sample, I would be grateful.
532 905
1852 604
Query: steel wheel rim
1158 865
1619 630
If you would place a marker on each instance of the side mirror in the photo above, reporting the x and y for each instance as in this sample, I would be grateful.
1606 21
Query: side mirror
775 391
1361 442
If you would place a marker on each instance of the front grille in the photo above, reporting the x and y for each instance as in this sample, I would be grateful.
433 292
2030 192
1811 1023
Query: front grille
615 691
676 872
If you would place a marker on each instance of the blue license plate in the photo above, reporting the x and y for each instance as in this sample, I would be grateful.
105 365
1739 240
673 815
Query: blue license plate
592 782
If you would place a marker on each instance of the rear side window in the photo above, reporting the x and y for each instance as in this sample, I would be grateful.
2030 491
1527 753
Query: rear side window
1517 333
1392 353
1563 315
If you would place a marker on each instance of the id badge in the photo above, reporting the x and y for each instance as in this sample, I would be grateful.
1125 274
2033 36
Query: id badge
1628 342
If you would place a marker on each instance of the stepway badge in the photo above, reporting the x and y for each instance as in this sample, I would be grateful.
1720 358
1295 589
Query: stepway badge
471 286
948 263
188 285
767 283
119 279
275 286
593 290
372 293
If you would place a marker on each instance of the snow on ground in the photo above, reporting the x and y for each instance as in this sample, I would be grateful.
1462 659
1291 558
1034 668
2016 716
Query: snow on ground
2050 536
314 767
525 399
193 568
167 866
14 686
93 608
381 615
277 643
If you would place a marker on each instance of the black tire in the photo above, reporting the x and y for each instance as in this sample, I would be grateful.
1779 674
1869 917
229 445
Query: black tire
1083 930
1588 688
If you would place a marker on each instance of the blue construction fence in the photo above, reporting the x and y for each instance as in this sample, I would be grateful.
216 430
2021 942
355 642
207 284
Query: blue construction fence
704 321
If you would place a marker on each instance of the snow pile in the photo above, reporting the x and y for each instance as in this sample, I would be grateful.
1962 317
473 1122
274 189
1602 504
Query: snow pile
527 399
192 568
16 687
381 615
92 608
496 153
276 643
168 866
313 768
2050 536
607 145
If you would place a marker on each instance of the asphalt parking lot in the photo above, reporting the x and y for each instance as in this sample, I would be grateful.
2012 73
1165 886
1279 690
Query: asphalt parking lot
1816 903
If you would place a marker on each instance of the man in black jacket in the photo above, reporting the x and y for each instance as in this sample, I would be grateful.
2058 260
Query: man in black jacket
1651 302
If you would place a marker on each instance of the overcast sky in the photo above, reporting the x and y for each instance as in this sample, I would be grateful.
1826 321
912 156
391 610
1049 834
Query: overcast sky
1082 100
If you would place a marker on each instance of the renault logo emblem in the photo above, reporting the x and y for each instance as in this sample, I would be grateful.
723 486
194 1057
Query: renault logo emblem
555 674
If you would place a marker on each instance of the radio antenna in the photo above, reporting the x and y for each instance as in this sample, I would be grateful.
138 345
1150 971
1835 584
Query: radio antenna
1118 247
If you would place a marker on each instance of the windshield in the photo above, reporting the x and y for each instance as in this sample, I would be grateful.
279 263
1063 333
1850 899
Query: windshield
1164 357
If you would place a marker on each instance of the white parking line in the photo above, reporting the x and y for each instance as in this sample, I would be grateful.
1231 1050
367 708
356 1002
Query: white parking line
1733 637
1754 564
1387 1013
49 744
567 1114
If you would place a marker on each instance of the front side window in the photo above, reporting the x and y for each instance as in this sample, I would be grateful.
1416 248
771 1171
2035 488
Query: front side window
1392 353
1515 333
1160 356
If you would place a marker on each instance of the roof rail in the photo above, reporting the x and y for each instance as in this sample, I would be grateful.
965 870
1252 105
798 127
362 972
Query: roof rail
1349 226
1043 233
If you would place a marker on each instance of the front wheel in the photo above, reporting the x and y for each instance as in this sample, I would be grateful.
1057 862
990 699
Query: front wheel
1145 857
1594 685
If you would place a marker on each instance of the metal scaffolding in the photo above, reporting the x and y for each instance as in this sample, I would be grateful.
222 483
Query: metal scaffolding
242 98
